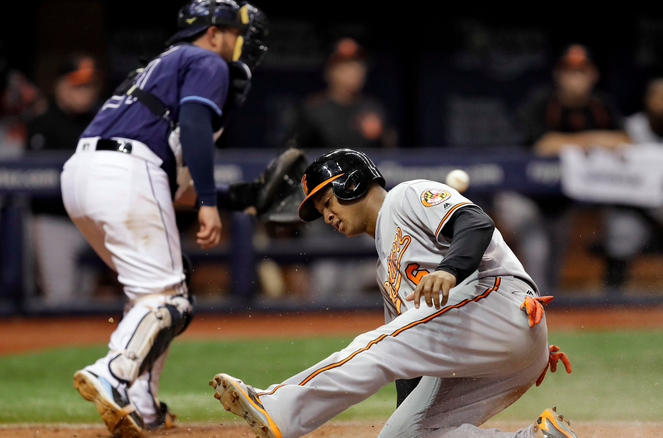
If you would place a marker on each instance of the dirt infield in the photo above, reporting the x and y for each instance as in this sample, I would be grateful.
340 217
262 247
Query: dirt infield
25 334
332 430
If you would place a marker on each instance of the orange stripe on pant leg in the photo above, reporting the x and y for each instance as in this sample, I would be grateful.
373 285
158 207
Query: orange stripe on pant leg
396 333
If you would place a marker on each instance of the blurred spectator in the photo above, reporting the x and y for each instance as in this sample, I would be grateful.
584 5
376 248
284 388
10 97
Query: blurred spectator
76 94
630 230
19 102
58 243
342 116
647 126
570 113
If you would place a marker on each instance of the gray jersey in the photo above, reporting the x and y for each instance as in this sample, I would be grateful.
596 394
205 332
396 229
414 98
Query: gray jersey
410 244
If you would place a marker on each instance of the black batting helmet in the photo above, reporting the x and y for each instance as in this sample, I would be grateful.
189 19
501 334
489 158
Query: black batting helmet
349 172
197 15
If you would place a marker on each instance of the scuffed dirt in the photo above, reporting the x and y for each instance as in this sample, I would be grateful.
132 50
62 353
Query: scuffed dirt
354 429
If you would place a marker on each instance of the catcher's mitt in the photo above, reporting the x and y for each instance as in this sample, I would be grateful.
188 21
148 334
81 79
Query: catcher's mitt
276 194
280 192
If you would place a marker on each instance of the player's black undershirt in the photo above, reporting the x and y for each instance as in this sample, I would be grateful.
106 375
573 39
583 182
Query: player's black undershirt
197 137
470 231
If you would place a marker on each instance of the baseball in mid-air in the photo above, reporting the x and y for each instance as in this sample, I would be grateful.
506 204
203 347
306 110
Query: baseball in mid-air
458 179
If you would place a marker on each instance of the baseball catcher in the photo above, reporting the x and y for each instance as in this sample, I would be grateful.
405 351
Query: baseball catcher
152 142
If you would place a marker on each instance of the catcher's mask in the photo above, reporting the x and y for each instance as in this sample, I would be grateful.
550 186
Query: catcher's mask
253 48
349 172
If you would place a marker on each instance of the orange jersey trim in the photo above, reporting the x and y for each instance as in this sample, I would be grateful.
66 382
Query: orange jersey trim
446 216
495 287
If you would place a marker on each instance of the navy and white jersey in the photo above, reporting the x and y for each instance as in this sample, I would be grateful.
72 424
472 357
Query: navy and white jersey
183 73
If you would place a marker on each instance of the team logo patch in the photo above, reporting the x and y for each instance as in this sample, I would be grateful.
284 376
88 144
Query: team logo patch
432 197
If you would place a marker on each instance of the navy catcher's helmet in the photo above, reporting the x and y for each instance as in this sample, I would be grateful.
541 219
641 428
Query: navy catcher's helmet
198 15
349 172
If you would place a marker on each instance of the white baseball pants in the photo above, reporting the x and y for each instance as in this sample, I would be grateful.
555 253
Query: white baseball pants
122 204
478 353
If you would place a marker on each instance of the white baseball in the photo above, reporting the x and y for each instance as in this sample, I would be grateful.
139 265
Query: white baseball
458 179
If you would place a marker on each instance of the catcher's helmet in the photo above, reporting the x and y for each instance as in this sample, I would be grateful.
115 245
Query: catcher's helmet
349 172
197 15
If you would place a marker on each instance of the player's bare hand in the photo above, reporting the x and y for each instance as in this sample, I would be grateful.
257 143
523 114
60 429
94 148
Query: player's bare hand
210 227
431 286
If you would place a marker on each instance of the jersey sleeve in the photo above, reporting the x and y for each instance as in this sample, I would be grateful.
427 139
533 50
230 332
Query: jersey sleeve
430 205
206 81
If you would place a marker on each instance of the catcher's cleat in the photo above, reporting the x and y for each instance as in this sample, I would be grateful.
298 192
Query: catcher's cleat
165 419
120 416
552 425
241 400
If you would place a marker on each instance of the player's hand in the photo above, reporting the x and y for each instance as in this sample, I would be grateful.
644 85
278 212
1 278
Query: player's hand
430 287
210 227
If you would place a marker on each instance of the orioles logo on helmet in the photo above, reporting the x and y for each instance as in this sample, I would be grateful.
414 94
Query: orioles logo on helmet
305 185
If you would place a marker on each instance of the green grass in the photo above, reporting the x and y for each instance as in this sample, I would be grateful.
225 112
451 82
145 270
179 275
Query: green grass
616 376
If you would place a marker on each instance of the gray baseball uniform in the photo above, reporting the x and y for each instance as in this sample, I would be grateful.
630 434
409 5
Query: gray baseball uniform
478 352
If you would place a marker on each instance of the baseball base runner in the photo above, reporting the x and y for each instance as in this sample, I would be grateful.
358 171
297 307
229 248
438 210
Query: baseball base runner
480 342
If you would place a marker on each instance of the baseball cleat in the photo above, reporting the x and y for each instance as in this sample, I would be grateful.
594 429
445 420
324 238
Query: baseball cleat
165 419
552 425
121 417
241 400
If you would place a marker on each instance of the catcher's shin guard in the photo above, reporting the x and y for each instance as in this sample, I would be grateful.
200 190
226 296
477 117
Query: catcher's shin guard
152 336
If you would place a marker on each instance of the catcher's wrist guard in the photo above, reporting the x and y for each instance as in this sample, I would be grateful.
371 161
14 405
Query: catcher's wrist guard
242 195
276 194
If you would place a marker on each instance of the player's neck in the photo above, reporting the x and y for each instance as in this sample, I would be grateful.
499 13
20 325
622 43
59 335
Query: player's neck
374 200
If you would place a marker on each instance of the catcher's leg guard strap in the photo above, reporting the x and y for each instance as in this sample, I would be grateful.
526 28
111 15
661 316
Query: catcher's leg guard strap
152 336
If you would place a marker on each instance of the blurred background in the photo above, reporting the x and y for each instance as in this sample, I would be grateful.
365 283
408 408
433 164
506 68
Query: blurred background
421 90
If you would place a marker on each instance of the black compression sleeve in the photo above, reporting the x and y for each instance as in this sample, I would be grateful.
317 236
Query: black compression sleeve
470 231
197 137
